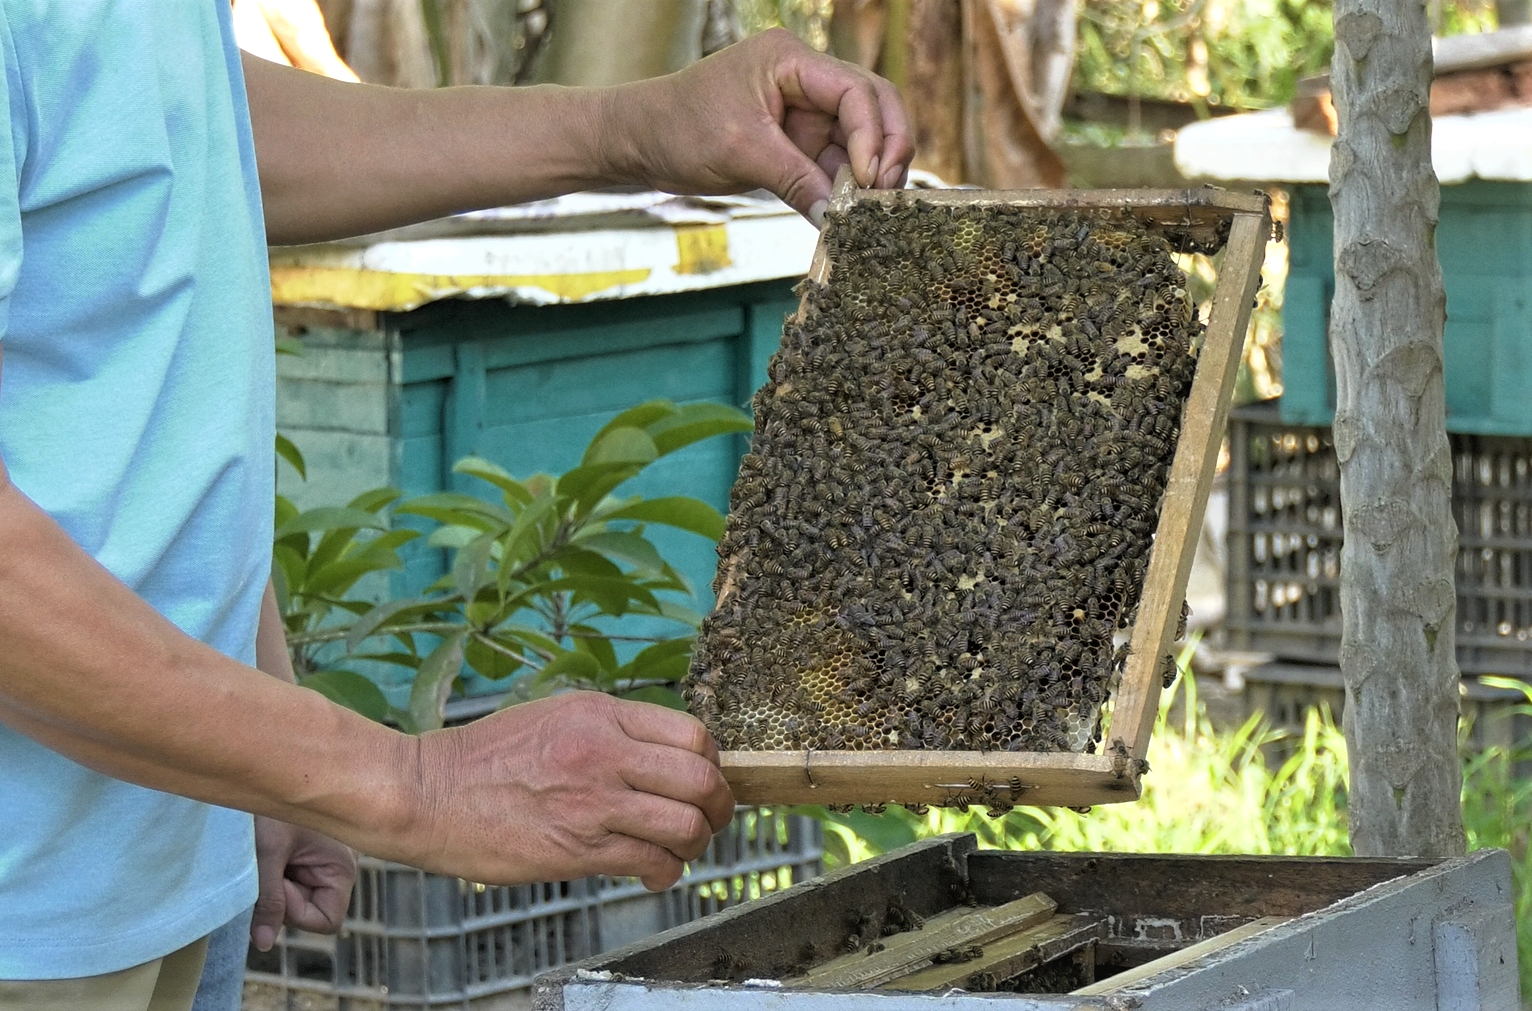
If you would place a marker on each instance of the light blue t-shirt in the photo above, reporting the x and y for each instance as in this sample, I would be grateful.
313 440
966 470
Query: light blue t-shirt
136 407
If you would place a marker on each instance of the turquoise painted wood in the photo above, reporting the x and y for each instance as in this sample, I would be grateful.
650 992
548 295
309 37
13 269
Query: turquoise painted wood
1484 242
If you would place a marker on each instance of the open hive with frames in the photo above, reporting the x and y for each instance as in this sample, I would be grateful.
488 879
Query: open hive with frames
968 516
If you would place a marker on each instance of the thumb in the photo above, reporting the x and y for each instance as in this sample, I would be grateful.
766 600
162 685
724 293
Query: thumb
271 902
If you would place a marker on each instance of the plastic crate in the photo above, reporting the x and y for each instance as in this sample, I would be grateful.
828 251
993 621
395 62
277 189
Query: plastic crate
1285 541
1484 243
418 940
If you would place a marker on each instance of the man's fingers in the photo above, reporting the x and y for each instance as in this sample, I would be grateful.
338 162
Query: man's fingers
850 96
898 137
831 159
271 901
680 829
683 778
644 721
655 866
317 909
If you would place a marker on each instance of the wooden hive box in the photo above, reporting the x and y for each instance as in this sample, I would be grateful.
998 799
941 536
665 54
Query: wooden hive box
1204 219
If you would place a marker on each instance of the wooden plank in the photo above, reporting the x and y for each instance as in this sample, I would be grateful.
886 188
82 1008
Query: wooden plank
1059 935
1189 201
1136 975
913 949
1186 490
924 777
782 934
1180 888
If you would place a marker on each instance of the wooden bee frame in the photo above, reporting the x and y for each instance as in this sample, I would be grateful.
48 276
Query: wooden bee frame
1204 219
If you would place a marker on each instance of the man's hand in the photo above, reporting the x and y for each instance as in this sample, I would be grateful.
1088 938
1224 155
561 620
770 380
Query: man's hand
305 881
568 786
769 112
342 159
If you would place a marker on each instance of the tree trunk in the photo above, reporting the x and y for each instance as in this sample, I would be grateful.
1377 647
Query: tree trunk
602 42
1003 147
933 86
1397 593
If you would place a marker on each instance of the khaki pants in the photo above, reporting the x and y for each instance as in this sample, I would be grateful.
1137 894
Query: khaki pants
165 984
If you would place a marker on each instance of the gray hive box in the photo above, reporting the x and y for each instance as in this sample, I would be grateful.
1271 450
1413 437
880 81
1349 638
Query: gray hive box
1126 932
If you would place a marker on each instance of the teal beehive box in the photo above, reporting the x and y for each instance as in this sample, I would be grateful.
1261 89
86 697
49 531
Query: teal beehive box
1483 241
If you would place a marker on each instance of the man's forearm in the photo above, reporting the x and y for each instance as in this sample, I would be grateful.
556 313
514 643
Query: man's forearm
91 671
340 159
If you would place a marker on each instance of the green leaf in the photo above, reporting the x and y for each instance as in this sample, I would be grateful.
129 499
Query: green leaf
597 645
525 537
695 422
285 510
485 470
575 561
643 416
292 568
588 485
678 511
632 548
573 665
471 568
290 346
488 661
455 502
883 832
375 499
279 584
621 445
336 565
351 690
329 518
338 577
289 452
433 683
611 595
454 537
390 612
409 660
656 695
680 612
658 653
533 640
671 667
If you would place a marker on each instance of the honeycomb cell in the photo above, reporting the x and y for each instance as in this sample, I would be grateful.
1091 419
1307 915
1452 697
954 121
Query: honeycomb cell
940 534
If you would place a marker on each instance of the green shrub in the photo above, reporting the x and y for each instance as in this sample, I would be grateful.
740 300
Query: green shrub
533 583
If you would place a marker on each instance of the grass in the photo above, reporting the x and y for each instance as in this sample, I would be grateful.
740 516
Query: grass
1211 792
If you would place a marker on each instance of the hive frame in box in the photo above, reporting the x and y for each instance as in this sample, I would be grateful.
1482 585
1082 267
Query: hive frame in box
1198 216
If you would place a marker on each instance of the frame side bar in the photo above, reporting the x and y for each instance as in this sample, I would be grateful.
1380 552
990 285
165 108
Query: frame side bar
1191 477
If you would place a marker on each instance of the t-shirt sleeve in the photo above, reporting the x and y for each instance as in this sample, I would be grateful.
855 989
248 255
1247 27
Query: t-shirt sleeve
13 121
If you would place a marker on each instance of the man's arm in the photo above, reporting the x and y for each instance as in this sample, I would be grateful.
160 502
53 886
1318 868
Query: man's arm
550 790
341 159
305 876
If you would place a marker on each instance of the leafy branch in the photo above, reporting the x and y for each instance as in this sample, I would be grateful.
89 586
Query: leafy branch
534 582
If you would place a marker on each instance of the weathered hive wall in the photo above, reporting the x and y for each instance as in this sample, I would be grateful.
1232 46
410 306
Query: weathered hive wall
956 473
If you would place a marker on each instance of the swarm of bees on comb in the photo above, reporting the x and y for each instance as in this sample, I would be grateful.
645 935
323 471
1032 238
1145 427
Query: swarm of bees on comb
941 530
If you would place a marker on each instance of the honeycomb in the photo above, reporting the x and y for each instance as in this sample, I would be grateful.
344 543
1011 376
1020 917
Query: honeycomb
942 527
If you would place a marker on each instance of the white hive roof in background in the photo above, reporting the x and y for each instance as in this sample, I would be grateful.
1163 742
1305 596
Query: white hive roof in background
1267 147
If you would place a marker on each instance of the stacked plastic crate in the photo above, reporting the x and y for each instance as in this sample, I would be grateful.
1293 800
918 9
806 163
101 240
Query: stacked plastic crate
418 940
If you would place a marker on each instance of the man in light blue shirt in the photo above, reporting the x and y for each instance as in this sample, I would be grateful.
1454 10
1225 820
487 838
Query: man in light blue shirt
136 418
